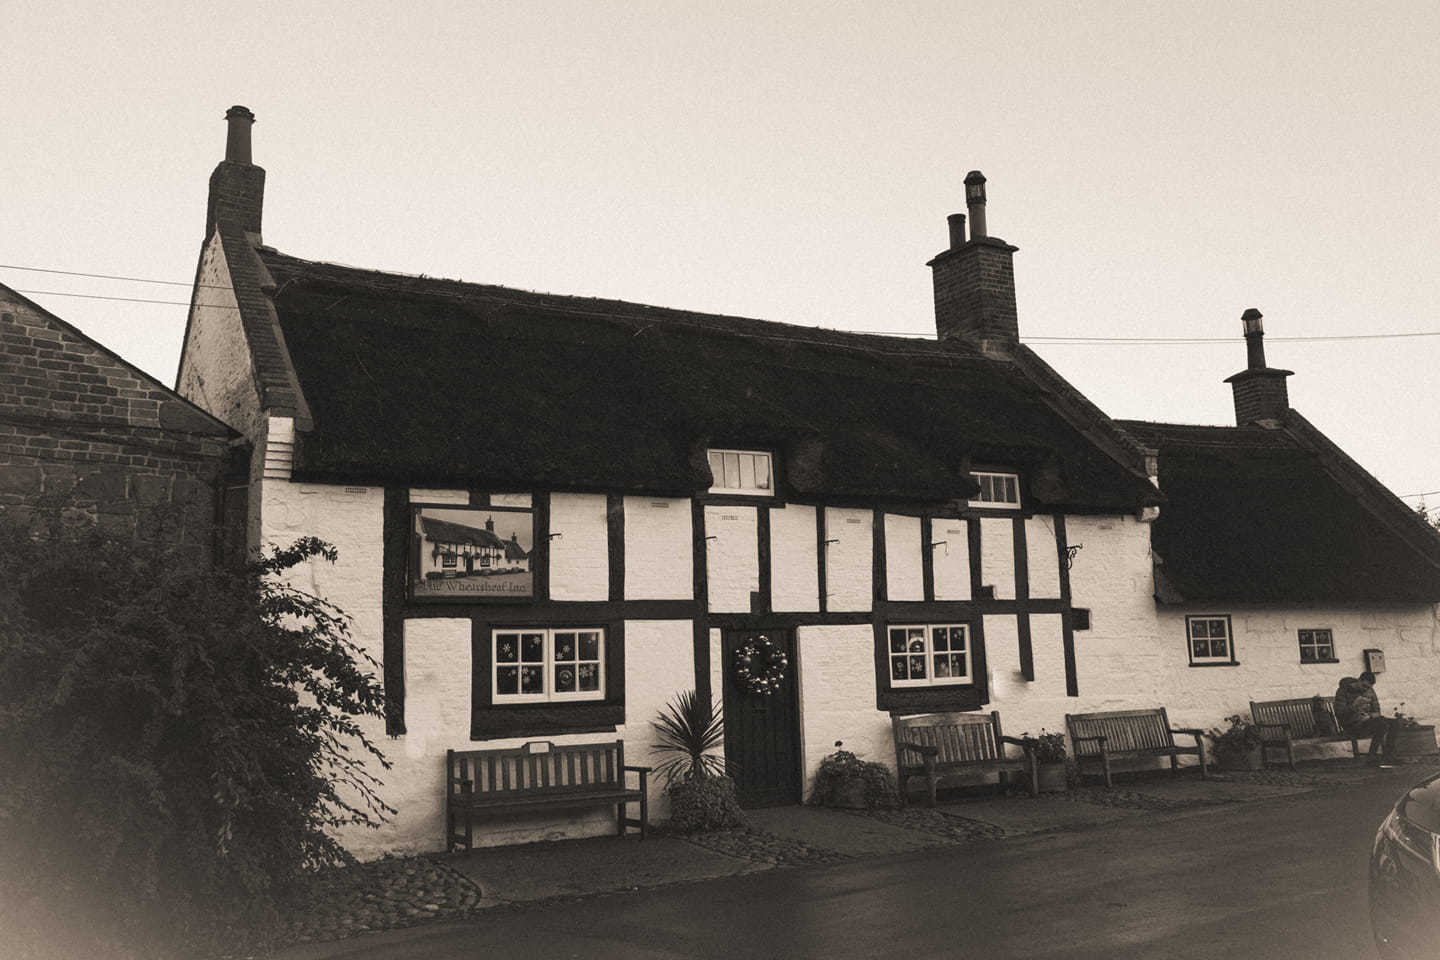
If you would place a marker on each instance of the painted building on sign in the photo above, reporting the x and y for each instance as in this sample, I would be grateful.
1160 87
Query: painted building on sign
818 530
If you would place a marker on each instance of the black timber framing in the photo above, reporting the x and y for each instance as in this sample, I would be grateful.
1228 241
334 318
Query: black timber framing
1022 598
1062 550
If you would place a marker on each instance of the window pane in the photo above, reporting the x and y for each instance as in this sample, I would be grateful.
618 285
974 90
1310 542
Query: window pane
565 679
1199 628
564 646
942 665
987 489
732 470
532 647
917 668
1219 647
957 666
717 468
590 645
897 641
939 639
747 471
1202 647
1011 494
897 669
507 647
957 638
1307 654
917 639
531 680
589 676
507 680
1323 652
762 472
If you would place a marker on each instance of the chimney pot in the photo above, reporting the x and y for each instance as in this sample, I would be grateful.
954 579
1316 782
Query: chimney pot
975 203
237 136
957 230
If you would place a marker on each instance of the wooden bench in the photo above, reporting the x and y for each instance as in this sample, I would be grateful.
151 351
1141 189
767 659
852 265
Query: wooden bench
1283 722
933 745
538 774
1130 733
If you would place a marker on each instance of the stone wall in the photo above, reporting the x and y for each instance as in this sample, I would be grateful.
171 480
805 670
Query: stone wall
89 442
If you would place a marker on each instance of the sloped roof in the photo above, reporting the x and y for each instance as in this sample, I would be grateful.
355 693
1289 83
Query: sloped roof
1280 515
418 380
444 531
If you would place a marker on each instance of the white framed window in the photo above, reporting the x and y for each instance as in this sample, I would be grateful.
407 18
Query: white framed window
535 665
997 490
923 655
1210 638
741 471
1317 646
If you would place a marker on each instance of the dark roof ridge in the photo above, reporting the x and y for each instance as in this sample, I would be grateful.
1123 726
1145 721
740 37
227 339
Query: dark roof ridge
623 310
1082 414
1389 509
1201 434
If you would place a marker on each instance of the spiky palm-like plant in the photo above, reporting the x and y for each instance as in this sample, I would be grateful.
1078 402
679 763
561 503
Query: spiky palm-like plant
689 728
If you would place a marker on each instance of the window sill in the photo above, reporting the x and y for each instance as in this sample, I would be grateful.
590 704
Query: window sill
1306 663
1225 663
941 698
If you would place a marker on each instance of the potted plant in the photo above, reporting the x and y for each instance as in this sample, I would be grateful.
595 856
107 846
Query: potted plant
1050 761
844 780
1412 738
1237 746
702 794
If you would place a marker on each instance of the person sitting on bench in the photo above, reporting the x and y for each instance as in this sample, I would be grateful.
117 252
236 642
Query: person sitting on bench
1358 710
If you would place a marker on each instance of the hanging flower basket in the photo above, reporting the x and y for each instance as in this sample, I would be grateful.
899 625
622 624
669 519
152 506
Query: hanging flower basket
760 666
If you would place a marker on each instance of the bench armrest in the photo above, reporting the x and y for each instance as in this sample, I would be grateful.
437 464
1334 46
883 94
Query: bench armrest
924 749
1026 742
639 769
1195 732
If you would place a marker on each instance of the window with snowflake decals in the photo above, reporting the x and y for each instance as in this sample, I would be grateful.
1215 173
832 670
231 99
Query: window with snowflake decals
533 665
929 654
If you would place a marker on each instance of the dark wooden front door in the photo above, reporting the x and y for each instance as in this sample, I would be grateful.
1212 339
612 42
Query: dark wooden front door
762 731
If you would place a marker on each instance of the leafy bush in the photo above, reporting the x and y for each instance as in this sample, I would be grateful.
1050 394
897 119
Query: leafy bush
1240 737
704 803
175 742
1048 747
841 769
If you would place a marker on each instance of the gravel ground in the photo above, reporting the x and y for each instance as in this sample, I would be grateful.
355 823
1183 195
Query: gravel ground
379 895
748 844
936 822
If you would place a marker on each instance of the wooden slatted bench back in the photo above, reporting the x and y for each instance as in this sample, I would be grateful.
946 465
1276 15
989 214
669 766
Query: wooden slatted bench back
537 768
1125 731
961 738
1297 714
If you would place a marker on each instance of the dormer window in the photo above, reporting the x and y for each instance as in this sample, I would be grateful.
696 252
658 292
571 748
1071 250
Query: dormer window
997 490
745 472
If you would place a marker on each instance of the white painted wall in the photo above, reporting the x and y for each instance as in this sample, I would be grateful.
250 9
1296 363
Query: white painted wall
732 557
951 559
215 373
903 577
1042 555
794 573
837 696
659 664
659 552
849 559
459 498
997 556
579 547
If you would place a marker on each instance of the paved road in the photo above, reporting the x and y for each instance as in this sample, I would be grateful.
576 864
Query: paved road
1276 879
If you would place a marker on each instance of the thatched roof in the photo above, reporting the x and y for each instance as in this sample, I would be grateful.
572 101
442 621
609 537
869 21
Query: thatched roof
1282 515
444 531
415 380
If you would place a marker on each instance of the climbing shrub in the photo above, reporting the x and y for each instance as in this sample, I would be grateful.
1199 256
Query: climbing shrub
176 744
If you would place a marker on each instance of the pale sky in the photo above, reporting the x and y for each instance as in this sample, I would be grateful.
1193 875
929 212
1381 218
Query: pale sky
1160 166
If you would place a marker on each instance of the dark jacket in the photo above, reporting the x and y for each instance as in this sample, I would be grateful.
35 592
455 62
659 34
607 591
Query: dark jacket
1355 702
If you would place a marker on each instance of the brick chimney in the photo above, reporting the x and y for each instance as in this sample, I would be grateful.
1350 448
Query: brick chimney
975 280
1260 394
237 187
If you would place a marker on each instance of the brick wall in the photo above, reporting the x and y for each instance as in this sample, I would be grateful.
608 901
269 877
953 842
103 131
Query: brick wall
1259 395
975 292
88 441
